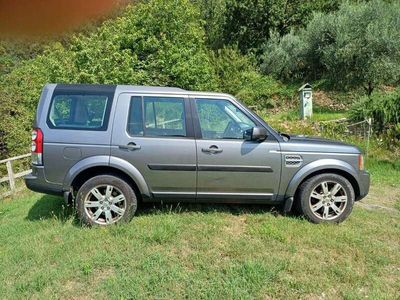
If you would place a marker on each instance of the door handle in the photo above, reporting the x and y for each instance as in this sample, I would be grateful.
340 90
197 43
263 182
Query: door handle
130 147
213 149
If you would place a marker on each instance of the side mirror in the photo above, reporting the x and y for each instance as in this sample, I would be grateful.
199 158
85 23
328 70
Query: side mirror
257 134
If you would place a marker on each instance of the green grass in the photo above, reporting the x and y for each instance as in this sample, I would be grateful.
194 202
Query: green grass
319 114
327 117
384 171
208 251
195 251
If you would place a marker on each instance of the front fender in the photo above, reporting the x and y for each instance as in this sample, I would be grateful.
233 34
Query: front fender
319 165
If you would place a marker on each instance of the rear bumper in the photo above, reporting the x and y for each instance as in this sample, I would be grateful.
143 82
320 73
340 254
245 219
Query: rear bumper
364 182
36 182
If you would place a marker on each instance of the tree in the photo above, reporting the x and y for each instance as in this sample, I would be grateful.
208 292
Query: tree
249 23
365 46
357 46
238 75
213 16
160 42
282 56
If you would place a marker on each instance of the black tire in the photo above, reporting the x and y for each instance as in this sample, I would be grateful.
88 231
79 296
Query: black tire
304 199
126 210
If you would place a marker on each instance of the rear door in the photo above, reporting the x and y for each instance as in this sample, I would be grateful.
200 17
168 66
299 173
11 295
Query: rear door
228 166
154 132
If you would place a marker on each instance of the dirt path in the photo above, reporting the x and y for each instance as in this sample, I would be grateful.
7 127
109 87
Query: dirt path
382 197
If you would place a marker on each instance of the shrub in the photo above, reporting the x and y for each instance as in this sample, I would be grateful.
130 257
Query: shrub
355 46
213 14
384 108
249 23
282 57
159 42
237 74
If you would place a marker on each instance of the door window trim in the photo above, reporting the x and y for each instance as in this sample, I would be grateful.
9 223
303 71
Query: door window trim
187 115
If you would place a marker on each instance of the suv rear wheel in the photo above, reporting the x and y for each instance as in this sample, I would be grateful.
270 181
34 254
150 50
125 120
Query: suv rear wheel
326 198
105 200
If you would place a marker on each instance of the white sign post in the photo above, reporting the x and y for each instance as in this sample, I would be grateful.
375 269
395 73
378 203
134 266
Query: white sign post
305 93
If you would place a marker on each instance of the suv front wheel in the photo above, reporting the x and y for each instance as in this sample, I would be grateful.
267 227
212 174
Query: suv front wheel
105 200
326 198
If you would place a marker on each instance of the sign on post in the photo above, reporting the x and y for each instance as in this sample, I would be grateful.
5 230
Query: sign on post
305 93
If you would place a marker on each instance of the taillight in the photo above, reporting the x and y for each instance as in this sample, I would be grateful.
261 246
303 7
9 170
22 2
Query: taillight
37 146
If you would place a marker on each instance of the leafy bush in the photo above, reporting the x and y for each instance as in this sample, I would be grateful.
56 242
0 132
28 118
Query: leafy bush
160 42
355 46
238 75
248 23
16 51
213 16
384 108
281 57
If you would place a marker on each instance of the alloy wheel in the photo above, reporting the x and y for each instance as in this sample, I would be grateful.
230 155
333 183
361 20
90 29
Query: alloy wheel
328 200
105 204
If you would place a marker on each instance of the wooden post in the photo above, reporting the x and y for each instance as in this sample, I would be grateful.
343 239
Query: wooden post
10 176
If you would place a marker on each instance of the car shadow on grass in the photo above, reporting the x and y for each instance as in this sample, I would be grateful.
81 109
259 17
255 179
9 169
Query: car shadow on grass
206 208
53 207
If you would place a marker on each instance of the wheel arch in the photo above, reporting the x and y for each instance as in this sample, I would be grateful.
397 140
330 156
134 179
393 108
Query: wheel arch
322 167
98 165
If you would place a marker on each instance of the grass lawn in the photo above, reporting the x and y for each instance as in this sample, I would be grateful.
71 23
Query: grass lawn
206 251
199 251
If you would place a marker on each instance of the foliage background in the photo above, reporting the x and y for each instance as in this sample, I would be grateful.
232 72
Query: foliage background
259 51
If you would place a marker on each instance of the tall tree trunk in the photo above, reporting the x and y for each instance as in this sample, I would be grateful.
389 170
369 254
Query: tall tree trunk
369 88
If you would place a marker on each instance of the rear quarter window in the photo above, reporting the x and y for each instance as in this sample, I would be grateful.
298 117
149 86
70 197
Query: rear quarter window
79 111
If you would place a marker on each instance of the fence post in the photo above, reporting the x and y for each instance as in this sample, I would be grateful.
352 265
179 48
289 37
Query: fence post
10 176
368 135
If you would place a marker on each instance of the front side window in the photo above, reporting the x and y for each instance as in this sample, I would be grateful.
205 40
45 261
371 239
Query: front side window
157 116
73 111
220 119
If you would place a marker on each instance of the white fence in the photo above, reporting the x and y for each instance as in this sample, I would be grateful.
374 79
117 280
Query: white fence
11 176
362 129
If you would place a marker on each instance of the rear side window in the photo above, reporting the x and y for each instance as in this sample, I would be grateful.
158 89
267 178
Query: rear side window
79 111
157 116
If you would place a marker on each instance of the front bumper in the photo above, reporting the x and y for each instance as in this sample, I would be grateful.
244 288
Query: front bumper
364 183
36 181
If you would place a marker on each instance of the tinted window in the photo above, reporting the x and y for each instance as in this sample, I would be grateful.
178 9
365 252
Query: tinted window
163 116
220 119
135 121
89 112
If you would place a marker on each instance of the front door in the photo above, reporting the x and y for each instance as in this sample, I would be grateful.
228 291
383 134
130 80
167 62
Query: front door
230 168
155 134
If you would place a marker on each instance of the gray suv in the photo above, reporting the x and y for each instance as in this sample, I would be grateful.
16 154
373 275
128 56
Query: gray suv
108 147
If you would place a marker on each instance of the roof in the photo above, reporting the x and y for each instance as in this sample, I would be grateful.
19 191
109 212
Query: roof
150 89
165 90
305 86
138 89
